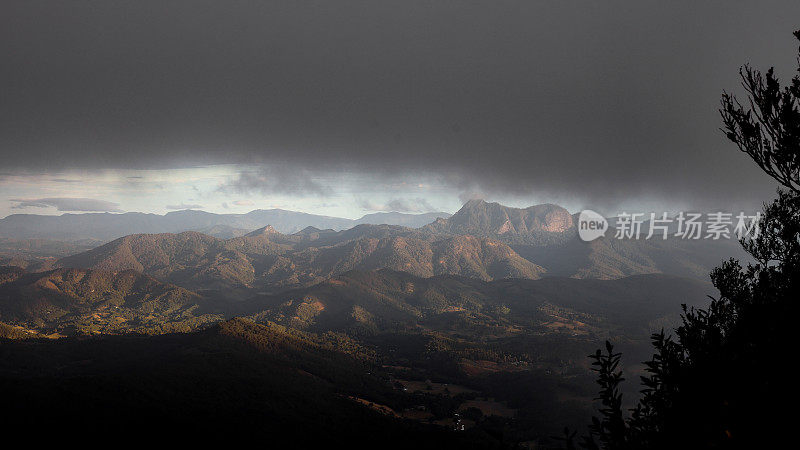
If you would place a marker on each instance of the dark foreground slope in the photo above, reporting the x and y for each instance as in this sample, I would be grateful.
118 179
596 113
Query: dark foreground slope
234 381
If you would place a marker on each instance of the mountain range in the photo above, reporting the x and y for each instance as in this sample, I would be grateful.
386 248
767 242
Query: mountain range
481 319
108 226
184 280
190 278
482 240
266 258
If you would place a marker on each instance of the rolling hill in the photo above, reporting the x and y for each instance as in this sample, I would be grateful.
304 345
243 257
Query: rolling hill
388 299
265 257
84 301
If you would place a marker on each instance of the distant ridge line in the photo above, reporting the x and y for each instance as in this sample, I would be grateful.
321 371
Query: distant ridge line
108 226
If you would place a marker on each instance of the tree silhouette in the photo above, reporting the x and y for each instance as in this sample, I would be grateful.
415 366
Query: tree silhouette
723 379
768 129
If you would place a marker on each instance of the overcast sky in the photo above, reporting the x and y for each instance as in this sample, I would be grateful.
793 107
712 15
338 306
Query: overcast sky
343 107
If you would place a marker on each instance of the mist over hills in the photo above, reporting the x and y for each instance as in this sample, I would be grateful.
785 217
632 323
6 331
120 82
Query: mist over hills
108 226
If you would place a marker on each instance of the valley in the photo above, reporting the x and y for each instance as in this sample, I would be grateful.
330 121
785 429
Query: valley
479 323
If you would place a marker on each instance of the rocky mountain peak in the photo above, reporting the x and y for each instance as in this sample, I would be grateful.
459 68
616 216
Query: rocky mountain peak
267 230
309 230
481 218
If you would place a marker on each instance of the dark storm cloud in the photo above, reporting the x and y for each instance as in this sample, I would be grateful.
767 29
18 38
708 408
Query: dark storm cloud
67 204
603 100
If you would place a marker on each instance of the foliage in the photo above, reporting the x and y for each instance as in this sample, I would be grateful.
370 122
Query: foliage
768 130
718 382
610 427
